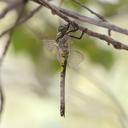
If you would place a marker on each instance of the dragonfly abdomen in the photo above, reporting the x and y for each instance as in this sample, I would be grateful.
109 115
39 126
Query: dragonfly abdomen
62 84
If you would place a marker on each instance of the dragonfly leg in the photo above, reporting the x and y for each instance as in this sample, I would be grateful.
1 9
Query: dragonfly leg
81 35
75 27
68 26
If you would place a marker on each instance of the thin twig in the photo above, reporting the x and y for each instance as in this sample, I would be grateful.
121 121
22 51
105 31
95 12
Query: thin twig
54 10
10 7
11 31
96 14
30 15
91 11
22 20
86 19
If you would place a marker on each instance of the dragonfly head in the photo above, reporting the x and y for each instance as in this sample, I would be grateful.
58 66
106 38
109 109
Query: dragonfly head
63 29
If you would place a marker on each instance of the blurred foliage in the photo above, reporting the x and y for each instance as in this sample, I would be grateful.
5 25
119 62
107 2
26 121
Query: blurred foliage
73 5
95 53
26 42
111 9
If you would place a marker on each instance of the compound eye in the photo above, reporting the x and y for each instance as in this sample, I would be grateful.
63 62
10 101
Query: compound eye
60 28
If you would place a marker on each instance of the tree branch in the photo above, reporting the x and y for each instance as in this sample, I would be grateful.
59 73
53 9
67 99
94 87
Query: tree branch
91 11
66 14
116 44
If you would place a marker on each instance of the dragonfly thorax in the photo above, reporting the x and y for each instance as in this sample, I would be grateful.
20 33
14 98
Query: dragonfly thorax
63 43
63 28
63 47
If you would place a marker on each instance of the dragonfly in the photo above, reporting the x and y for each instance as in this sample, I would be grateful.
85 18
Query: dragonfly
63 49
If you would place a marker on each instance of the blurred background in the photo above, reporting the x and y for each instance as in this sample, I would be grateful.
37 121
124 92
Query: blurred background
96 89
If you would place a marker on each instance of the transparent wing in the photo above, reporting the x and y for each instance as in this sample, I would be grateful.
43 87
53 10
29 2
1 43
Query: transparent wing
51 45
75 58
